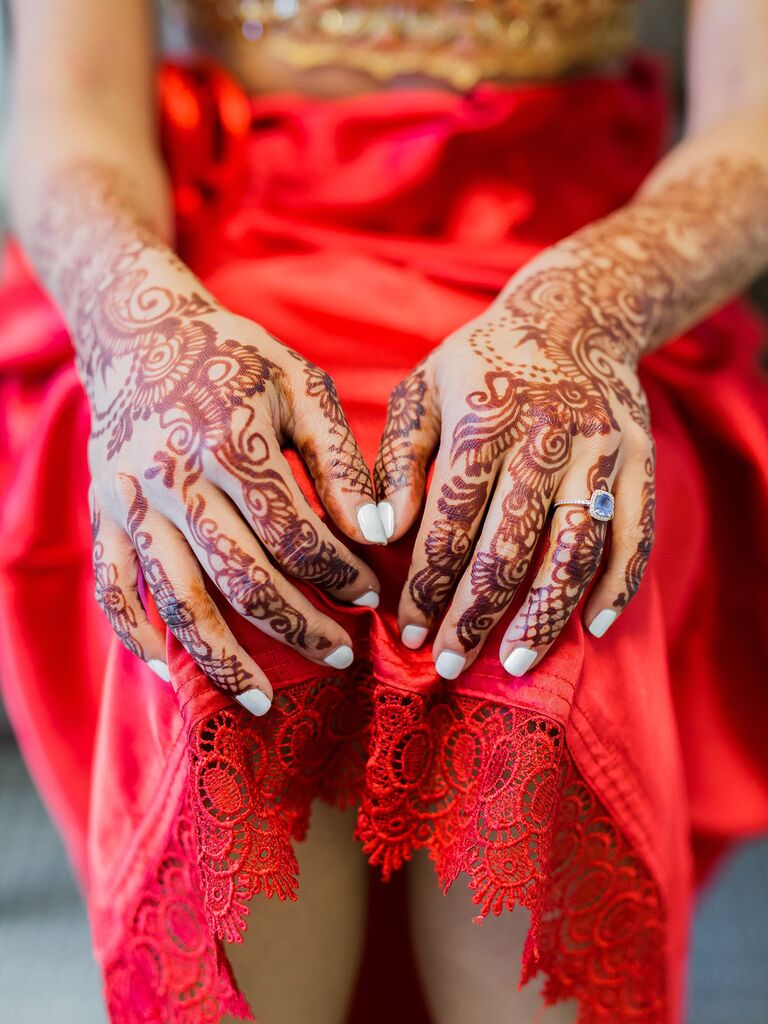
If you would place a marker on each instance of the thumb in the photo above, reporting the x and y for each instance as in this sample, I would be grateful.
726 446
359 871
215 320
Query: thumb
410 436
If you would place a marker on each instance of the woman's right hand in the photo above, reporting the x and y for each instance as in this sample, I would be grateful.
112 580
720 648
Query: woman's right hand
189 406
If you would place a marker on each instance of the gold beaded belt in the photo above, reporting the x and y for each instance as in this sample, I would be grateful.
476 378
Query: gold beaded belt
459 41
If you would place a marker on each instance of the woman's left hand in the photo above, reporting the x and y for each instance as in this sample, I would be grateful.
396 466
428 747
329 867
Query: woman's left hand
536 401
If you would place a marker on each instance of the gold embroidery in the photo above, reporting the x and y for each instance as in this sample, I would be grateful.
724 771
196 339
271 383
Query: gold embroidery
460 41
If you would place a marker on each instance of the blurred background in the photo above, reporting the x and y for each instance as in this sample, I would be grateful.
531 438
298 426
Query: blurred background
46 970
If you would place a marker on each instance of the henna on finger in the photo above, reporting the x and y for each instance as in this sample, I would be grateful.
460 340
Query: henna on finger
397 461
191 616
111 597
344 463
636 565
574 550
157 361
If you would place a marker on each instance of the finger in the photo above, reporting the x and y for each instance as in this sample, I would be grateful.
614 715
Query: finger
631 542
176 583
239 567
502 557
455 505
325 441
574 549
115 569
261 484
410 435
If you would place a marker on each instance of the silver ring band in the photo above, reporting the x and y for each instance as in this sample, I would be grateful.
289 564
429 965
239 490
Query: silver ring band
600 505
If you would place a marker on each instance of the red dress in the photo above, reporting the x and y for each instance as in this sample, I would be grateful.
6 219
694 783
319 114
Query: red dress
362 231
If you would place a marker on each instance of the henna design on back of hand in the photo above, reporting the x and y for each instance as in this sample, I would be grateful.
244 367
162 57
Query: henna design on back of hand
556 364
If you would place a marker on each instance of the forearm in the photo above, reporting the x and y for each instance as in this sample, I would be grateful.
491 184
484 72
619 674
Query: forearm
79 103
696 234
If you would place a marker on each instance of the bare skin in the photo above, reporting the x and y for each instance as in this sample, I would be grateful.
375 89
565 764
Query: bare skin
82 112
323 931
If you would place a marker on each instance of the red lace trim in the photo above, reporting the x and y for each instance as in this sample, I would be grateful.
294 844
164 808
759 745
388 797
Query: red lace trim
488 790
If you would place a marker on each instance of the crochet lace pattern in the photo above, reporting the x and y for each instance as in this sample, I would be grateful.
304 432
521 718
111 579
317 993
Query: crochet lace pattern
487 789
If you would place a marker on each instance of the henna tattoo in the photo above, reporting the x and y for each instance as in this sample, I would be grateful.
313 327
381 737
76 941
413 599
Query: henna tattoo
570 561
639 560
178 613
246 585
148 352
559 353
111 597
448 543
346 463
397 460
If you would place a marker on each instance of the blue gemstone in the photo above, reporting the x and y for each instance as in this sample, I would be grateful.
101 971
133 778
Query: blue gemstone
602 504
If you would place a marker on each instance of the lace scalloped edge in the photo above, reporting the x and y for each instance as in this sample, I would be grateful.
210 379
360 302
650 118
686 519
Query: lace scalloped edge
488 789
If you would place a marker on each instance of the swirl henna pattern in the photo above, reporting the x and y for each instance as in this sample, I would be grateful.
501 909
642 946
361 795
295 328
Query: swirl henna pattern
548 401
187 401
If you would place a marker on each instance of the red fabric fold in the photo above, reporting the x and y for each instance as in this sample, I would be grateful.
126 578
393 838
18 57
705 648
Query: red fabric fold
362 231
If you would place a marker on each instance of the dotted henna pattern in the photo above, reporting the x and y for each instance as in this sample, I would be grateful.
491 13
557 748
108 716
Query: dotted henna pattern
560 350
158 353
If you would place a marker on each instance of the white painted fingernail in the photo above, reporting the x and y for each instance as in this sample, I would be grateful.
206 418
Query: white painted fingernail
342 657
602 622
370 524
160 669
519 661
414 636
449 665
255 701
387 516
370 599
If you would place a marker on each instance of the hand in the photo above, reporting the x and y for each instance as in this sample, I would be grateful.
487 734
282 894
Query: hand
189 405
536 401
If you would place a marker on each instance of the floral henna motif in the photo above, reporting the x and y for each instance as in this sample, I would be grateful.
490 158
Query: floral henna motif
559 352
154 352
572 557
396 461
110 596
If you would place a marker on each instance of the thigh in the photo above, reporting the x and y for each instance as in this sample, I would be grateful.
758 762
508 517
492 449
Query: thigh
470 972
299 961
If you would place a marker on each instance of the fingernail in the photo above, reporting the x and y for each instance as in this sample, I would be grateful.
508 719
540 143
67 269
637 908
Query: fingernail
602 622
449 665
387 516
413 637
370 599
160 669
519 661
255 701
342 657
370 524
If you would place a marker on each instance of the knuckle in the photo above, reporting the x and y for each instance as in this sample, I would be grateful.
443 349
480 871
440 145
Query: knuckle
638 443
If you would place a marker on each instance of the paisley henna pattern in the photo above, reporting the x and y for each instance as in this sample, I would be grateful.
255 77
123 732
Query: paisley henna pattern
164 353
555 364
110 596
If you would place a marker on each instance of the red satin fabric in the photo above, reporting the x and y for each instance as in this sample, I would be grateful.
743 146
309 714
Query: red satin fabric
362 231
